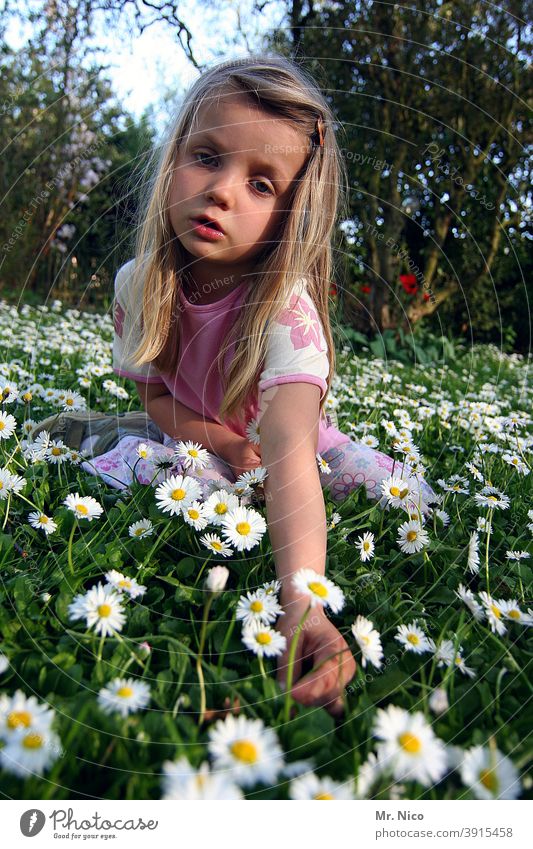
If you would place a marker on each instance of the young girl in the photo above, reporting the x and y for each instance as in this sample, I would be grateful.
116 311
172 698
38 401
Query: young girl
222 322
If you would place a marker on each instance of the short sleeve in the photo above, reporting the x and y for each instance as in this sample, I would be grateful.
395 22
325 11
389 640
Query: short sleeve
127 326
297 350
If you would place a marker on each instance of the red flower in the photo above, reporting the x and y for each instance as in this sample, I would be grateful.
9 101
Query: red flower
365 289
409 283
426 296
333 290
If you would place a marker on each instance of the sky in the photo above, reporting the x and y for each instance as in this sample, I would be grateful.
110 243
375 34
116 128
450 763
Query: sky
143 67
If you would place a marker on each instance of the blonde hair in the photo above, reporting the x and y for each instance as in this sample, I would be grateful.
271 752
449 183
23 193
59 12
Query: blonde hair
280 87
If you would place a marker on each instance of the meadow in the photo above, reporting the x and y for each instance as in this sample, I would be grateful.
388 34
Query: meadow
138 640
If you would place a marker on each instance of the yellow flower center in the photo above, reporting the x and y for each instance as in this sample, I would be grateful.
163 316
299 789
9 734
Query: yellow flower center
124 583
81 508
256 606
264 639
489 779
216 545
193 513
366 546
394 490
496 612
104 610
2 424
1 485
19 717
56 451
143 453
27 396
178 494
69 402
411 535
492 498
33 741
365 639
244 751
220 508
514 614
323 796
317 588
43 520
125 692
413 639
243 528
193 452
138 531
409 743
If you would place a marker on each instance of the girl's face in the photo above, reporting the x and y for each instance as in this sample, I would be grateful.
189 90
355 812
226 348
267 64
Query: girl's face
237 169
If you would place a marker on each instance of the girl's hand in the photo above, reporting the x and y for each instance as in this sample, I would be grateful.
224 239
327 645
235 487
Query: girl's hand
318 640
242 456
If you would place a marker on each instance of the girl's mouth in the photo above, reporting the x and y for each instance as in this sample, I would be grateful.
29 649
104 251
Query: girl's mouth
206 230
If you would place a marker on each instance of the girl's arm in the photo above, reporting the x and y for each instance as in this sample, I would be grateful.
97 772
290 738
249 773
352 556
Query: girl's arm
289 415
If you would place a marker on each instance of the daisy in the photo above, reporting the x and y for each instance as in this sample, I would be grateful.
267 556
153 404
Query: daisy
492 497
319 589
42 522
100 606
83 508
177 492
365 544
511 610
32 751
214 543
368 640
57 452
219 504
438 701
122 584
334 521
443 516
243 527
192 455
73 401
489 774
181 781
271 587
412 537
396 490
216 579
20 712
252 477
410 749
413 638
8 424
5 483
473 553
322 465
263 640
124 695
240 489
467 596
142 528
4 663
144 451
194 514
258 608
461 665
252 432
246 750
310 786
517 555
493 611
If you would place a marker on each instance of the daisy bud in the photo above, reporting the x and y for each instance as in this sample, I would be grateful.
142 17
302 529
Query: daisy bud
438 701
216 579
146 648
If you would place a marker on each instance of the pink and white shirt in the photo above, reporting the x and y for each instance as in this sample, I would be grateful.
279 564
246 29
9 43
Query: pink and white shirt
296 351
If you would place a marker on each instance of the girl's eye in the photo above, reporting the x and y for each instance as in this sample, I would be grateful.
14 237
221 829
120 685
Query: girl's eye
211 156
203 153
262 182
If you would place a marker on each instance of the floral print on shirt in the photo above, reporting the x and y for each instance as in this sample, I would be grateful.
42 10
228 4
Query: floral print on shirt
304 324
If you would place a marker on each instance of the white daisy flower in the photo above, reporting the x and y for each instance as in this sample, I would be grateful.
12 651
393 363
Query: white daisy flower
20 712
410 749
85 507
252 432
473 553
124 696
41 521
240 489
482 524
365 544
140 529
214 543
322 465
4 663
216 579
438 701
5 483
57 452
192 455
263 640
412 537
271 587
467 596
461 665
396 490
100 606
413 638
443 516
243 527
318 589
246 750
367 775
492 497
177 492
369 440
310 786
122 584
194 514
253 477
368 640
334 521
493 611
73 401
182 782
489 774
517 555
31 751
219 504
144 451
8 424
511 610
259 608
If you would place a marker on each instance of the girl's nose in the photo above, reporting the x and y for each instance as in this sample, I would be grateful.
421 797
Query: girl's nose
223 188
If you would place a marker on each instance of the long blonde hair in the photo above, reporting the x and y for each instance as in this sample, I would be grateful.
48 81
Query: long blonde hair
303 246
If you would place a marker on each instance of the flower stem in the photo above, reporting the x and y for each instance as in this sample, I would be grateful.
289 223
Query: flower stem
69 550
290 669
203 704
